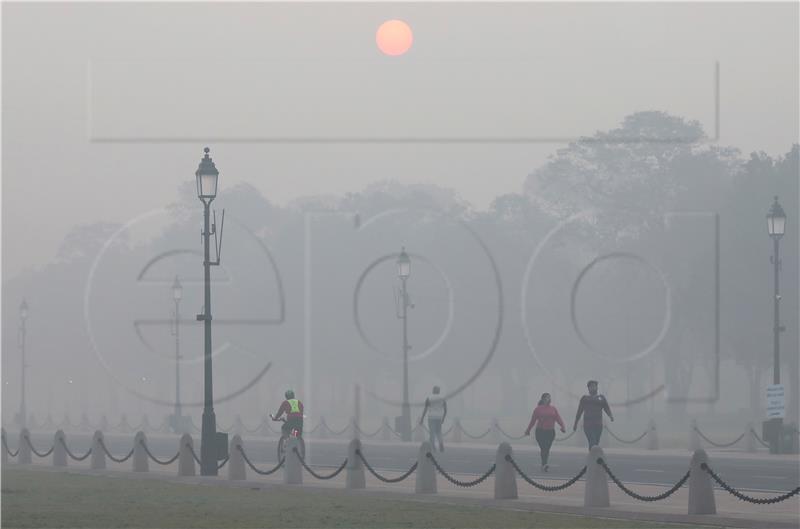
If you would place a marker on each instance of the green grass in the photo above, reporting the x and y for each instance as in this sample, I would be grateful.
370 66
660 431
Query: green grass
59 499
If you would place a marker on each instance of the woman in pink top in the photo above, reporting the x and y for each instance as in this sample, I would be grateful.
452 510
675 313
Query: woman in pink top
547 416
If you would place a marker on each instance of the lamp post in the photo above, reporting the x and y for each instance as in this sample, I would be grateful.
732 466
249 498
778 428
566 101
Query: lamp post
207 176
403 272
776 226
23 410
177 294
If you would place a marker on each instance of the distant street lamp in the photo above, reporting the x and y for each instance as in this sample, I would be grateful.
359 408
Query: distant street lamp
207 176
23 409
403 272
177 294
776 226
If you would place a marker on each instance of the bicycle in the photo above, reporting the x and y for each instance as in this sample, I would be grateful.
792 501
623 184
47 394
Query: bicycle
285 437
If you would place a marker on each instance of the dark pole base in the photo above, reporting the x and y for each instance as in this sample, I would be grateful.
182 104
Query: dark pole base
208 446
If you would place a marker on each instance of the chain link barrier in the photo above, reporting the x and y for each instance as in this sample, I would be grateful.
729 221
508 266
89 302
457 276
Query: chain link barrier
7 449
745 497
640 497
194 454
311 471
333 432
487 432
365 434
111 457
566 437
547 488
718 445
457 482
759 439
155 459
256 469
513 438
372 471
40 454
627 441
73 456
224 461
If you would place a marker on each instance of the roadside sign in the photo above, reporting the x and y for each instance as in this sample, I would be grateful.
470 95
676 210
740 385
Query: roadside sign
776 402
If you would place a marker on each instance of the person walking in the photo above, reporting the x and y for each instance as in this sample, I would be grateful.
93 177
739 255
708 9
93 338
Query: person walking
436 408
546 415
592 407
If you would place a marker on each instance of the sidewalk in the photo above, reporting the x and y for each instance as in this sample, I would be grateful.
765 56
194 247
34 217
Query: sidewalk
731 512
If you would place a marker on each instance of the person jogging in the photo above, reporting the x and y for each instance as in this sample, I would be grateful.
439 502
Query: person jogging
436 408
546 415
592 407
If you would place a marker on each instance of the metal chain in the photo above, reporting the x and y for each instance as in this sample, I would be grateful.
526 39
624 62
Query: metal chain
562 439
254 430
220 465
487 432
154 458
337 433
548 488
759 439
112 458
718 445
372 471
627 441
314 429
73 456
513 438
365 434
319 476
5 445
640 497
744 497
256 470
453 480
194 454
40 454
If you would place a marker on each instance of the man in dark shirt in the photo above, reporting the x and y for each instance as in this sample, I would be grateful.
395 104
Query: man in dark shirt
592 407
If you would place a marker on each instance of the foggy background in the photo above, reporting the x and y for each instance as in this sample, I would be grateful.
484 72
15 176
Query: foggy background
106 109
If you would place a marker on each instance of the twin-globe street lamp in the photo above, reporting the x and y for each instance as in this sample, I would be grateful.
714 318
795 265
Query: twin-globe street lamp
776 226
403 272
23 315
211 448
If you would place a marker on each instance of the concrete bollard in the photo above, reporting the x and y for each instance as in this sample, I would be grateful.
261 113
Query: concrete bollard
236 468
97 461
104 423
355 433
24 456
292 470
457 431
48 423
238 426
185 459
386 432
694 437
505 477
4 460
355 468
701 492
140 462
145 427
652 436
595 493
751 438
84 426
124 427
59 452
419 434
426 473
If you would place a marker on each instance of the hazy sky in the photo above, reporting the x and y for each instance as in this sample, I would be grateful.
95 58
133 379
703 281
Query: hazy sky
80 81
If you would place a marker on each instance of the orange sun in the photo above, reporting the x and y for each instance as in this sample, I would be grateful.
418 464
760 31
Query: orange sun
394 37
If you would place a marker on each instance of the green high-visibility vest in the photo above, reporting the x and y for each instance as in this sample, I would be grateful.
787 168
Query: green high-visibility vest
295 405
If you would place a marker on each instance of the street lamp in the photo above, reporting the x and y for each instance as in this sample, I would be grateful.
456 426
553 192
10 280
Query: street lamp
23 315
776 226
207 176
403 272
177 294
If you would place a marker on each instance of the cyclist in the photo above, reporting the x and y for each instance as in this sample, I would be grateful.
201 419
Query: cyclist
293 409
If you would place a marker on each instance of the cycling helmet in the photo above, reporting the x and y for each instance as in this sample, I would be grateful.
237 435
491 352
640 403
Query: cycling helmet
289 394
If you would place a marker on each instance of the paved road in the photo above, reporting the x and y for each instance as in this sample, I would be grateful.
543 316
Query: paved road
743 471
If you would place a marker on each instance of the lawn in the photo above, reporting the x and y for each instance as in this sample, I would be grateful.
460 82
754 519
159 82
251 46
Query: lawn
36 498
